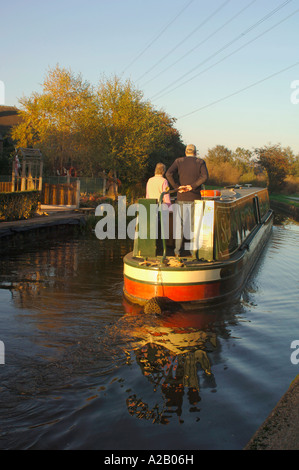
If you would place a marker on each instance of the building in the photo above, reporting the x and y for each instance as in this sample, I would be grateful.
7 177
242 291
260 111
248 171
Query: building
9 117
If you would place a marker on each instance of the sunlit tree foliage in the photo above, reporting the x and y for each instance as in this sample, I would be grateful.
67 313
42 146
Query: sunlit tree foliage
275 161
109 126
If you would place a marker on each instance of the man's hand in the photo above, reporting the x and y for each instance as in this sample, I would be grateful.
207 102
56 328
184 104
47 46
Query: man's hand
185 189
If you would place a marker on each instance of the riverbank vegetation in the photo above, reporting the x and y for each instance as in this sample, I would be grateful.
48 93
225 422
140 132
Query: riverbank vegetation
271 165
112 127
18 205
107 127
287 200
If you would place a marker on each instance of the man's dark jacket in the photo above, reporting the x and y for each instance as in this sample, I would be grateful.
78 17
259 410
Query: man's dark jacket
190 170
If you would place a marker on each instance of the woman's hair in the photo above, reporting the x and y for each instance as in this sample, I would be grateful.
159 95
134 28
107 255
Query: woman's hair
160 169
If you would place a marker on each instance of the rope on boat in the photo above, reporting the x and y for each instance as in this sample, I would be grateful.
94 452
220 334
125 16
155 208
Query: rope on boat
152 306
148 263
161 305
173 262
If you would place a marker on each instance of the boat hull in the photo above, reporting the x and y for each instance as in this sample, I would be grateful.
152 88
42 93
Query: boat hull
195 282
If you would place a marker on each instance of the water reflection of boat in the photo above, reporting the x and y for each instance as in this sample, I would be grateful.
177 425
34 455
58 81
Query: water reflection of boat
230 231
174 375
174 354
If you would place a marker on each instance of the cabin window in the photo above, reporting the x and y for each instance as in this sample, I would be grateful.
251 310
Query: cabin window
233 225
264 203
227 231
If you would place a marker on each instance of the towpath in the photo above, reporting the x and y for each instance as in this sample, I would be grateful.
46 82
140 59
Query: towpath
49 216
280 431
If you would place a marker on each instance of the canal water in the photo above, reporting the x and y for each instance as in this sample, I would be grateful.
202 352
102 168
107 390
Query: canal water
84 370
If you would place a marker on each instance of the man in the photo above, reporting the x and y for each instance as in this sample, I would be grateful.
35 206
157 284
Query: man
192 173
157 185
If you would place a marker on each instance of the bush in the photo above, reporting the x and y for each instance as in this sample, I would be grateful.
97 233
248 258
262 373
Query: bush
18 205
223 173
93 200
291 185
275 162
252 178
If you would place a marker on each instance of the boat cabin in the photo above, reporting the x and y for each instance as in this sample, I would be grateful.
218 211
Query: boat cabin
223 221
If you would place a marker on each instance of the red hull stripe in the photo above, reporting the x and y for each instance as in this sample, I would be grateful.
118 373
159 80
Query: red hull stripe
185 293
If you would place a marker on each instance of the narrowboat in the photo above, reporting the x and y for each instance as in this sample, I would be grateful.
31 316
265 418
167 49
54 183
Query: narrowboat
231 228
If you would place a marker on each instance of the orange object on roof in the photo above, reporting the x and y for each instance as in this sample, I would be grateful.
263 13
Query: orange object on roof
210 193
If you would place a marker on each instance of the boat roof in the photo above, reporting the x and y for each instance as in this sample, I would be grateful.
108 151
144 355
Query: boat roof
237 192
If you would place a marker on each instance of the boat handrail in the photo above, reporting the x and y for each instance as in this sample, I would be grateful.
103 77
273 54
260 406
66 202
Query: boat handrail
168 191
172 191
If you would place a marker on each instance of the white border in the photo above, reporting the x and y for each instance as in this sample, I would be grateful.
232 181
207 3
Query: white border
171 277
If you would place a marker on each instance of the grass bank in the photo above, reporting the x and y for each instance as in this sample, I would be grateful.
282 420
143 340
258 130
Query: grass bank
288 204
290 200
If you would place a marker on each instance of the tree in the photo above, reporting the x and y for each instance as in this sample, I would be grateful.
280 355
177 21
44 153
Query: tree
220 154
275 162
221 167
108 127
54 119
134 134
243 159
295 166
168 147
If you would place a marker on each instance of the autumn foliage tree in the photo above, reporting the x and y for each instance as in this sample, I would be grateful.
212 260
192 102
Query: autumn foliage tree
109 126
275 161
131 129
54 119
228 167
221 166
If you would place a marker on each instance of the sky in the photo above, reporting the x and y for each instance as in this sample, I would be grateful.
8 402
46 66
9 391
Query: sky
226 70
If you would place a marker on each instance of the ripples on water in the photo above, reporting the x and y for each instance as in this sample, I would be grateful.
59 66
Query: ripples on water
84 370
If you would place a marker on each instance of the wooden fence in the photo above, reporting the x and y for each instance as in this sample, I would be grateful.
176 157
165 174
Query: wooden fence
16 185
5 187
64 194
